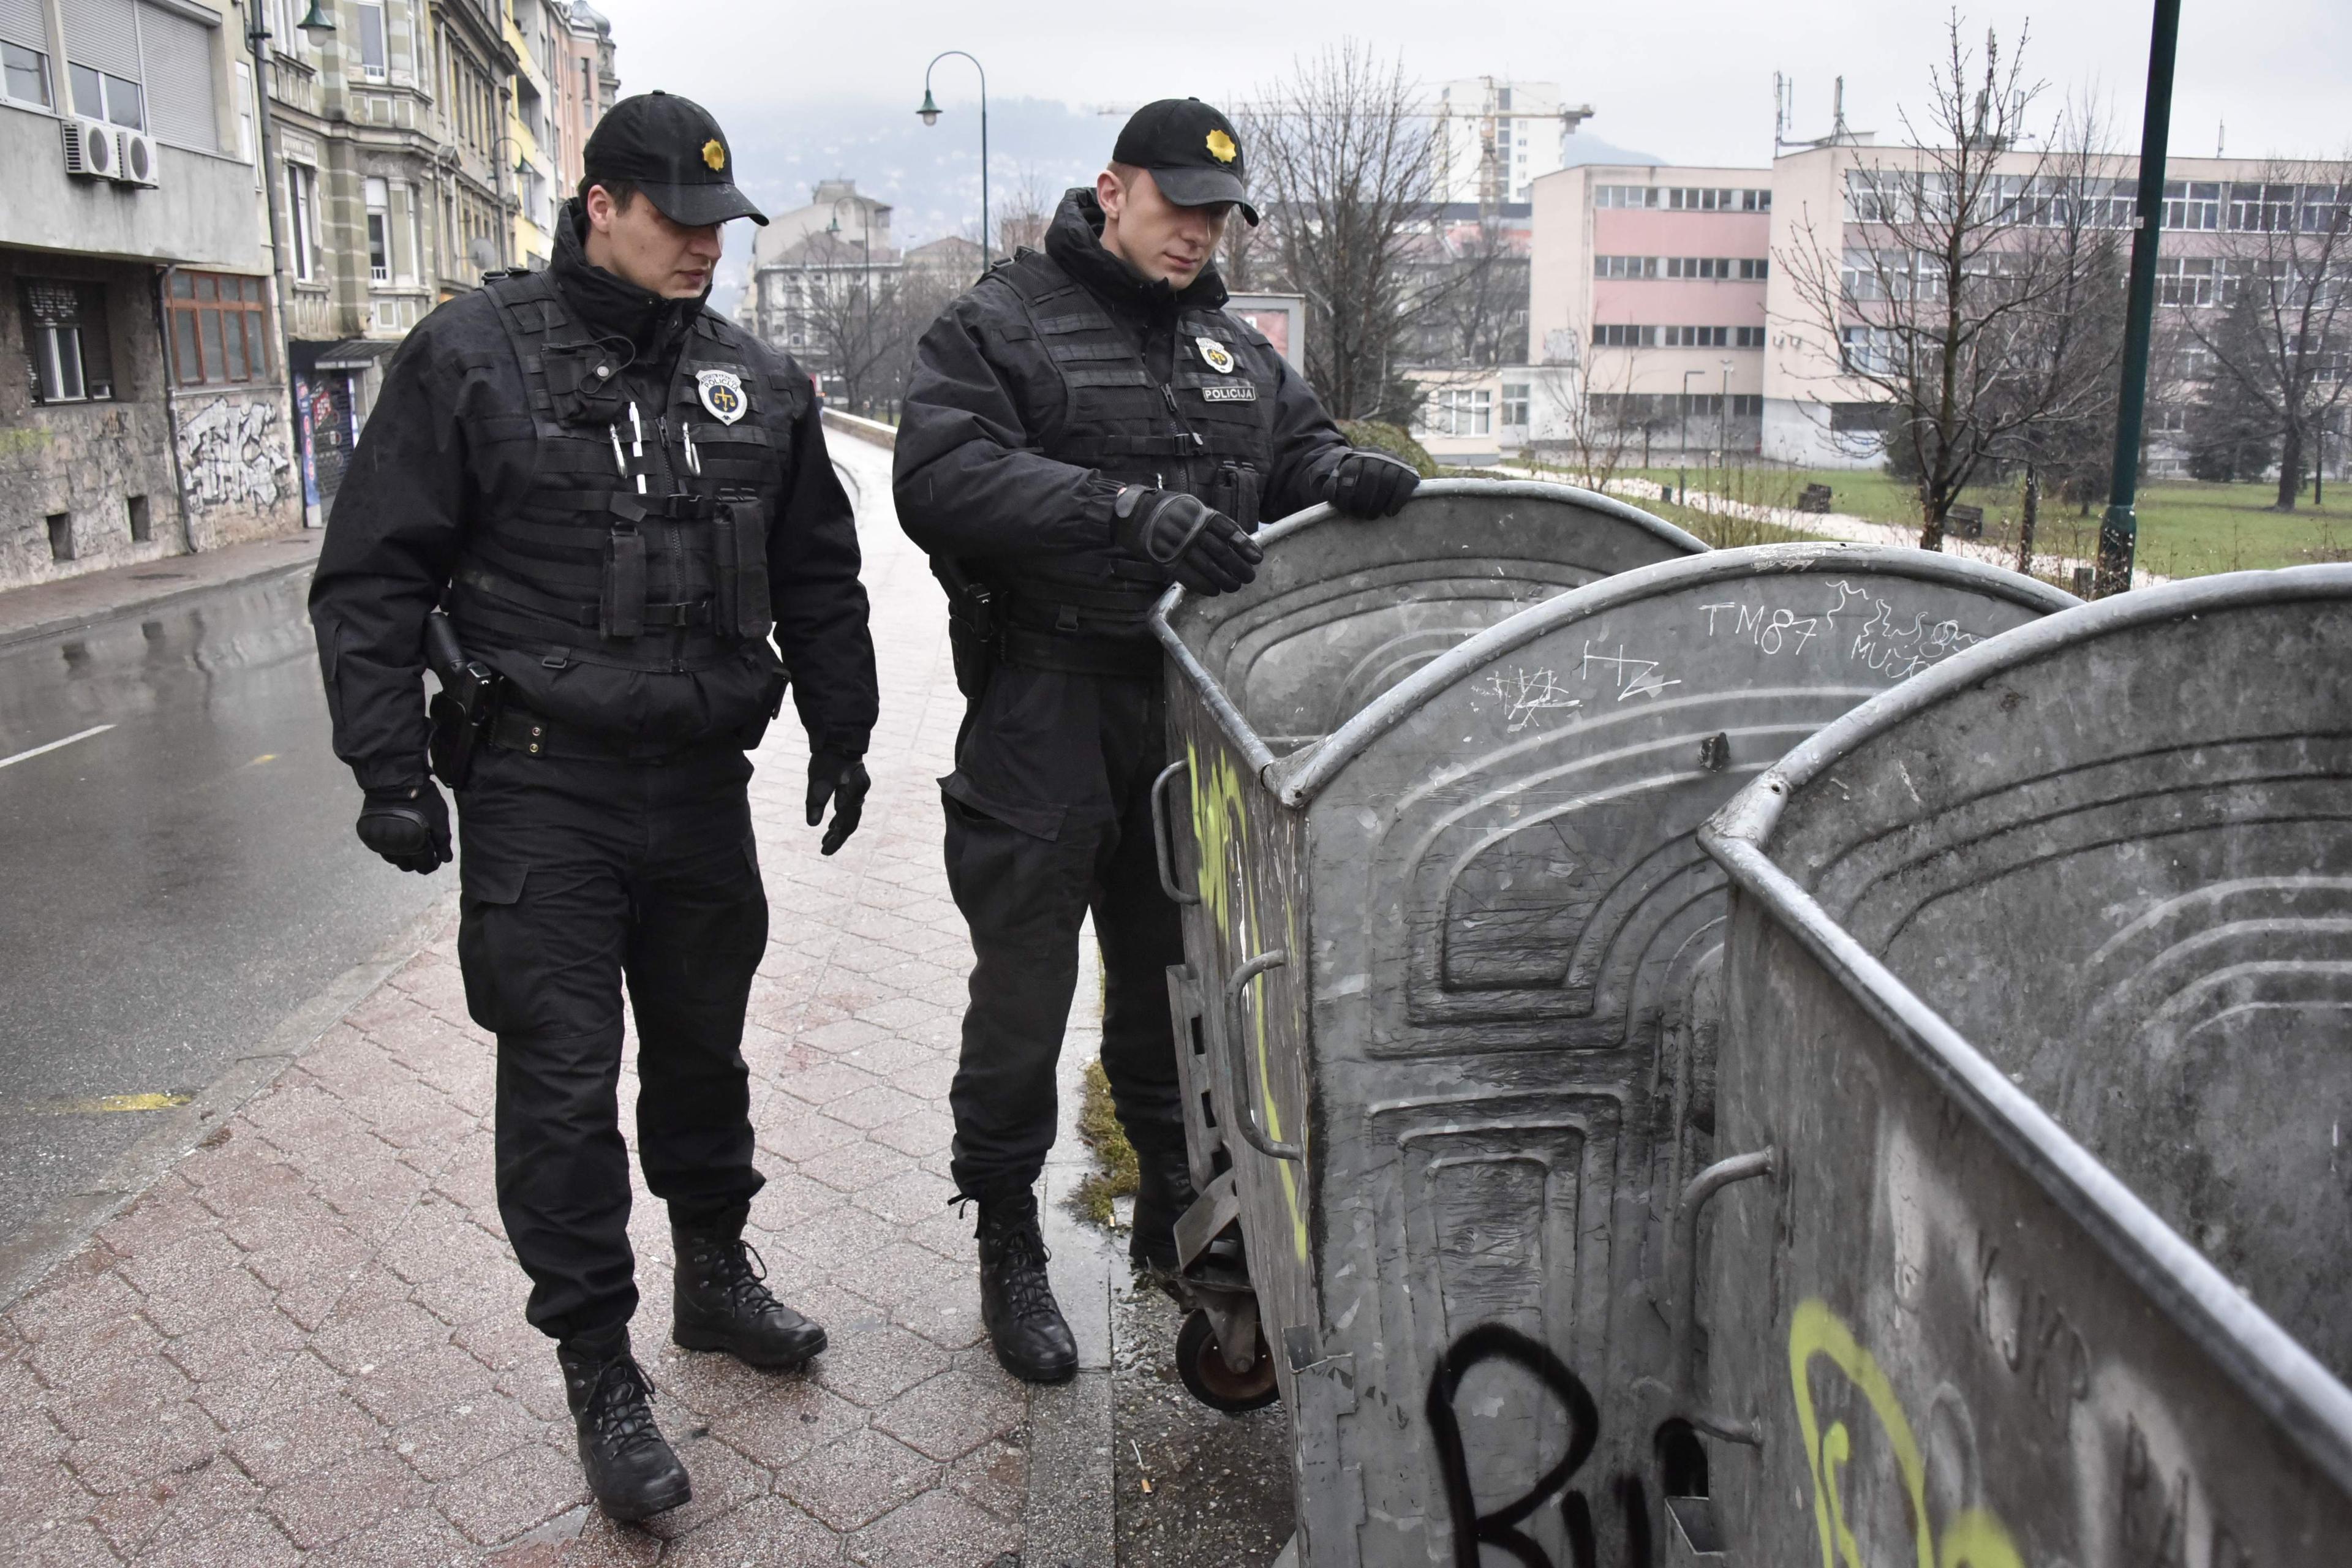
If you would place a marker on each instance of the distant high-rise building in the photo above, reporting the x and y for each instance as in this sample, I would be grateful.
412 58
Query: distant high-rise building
1496 137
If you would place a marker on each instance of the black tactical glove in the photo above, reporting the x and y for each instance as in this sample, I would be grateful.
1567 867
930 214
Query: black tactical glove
407 824
1371 484
1203 549
843 781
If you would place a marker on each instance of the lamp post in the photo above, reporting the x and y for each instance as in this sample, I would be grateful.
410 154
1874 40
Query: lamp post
1723 423
930 112
319 24
1682 474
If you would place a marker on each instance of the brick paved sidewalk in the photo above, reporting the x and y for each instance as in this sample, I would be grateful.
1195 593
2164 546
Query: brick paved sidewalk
306 1344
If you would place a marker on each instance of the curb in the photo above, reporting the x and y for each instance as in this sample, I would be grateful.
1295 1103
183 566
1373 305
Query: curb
27 1257
1068 1519
15 636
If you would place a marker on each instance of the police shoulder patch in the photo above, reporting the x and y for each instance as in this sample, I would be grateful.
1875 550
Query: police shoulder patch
722 393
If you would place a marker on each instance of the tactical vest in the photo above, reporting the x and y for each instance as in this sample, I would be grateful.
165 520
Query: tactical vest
641 543
1209 431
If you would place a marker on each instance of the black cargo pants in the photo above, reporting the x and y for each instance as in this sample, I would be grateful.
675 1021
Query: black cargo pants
575 874
1049 817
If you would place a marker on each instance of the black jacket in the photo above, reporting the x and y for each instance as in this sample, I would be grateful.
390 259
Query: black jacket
968 478
423 476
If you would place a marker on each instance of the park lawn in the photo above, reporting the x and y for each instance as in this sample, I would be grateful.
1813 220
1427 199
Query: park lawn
2187 527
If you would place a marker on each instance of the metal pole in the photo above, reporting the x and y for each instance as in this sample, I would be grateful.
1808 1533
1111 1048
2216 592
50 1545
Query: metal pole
257 34
930 114
2119 531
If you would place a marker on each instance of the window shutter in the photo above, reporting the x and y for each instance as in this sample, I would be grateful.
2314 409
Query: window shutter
179 57
20 23
105 34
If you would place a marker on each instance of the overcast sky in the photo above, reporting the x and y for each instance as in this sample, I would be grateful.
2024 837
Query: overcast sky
1690 80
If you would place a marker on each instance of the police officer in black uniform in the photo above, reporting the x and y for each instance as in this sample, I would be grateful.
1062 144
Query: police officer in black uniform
1084 427
619 499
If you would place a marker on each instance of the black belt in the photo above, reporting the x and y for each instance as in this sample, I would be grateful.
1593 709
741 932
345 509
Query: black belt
517 729
1124 658
660 614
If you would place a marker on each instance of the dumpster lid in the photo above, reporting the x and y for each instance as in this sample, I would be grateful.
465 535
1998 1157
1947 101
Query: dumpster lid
1230 718
2269 1364
1296 778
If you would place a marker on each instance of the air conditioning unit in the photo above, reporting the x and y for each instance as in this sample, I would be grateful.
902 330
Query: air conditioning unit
140 165
93 150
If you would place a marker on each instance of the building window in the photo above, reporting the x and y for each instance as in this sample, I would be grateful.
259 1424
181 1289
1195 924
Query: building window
1618 336
303 220
1458 411
1624 266
373 59
1754 268
1683 198
1514 404
2184 280
23 74
113 99
1870 350
1747 338
220 329
1697 337
379 230
67 356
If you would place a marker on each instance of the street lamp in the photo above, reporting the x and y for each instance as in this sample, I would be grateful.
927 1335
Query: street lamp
1682 475
930 112
1722 422
318 24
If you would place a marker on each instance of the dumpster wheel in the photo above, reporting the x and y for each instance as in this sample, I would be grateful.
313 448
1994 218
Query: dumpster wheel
1201 1364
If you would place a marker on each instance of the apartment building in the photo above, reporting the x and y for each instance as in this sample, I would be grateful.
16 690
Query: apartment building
1652 282
151 418
1669 300
587 87
1495 137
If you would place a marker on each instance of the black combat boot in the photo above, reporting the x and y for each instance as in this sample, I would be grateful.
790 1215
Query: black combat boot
723 1303
1016 1302
631 1469
1163 1192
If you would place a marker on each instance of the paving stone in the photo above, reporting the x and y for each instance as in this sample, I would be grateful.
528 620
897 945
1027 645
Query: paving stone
266 1386
602 1544
448 1444
124 1398
37 1490
786 1424
854 1166
766 1532
173 1439
54 1543
874 1363
159 1519
995 1476
938 1529
418 1538
409 1387
857 1479
284 1444
507 1495
345 1498
955 1412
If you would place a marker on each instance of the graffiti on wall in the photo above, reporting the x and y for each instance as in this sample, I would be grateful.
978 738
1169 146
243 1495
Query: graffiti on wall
233 452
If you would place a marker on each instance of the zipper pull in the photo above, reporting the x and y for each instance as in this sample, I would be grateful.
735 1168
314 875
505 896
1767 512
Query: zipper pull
1168 394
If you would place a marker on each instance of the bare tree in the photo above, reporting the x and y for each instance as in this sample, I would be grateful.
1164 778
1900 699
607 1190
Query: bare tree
1027 213
2282 338
859 315
1954 293
1344 159
1590 427
1469 307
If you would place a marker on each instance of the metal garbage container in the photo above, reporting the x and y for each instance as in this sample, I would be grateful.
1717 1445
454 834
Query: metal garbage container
1448 994
2038 1005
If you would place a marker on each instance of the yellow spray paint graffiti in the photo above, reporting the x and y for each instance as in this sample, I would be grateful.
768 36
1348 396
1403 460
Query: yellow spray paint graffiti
1971 1539
1220 823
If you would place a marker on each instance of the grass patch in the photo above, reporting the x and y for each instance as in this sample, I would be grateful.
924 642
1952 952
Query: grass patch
1115 1174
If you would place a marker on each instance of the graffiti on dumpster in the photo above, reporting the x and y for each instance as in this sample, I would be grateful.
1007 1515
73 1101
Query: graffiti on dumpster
232 453
1499 1527
1220 823
1972 1537
1880 641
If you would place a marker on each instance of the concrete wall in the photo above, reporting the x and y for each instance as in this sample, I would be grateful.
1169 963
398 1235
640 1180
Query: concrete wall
85 460
200 209
237 466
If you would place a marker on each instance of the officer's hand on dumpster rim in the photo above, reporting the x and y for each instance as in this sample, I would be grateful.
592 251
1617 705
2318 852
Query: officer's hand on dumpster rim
1371 484
408 825
1202 548
843 781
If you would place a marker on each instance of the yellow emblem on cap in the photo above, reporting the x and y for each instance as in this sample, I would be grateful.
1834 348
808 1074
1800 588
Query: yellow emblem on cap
1222 148
714 154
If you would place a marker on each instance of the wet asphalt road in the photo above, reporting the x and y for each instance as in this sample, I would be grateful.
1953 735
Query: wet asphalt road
172 888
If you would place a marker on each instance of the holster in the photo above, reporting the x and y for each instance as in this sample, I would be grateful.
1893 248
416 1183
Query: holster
972 625
463 710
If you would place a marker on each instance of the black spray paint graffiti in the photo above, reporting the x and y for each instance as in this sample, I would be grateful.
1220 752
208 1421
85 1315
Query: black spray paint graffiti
1500 1528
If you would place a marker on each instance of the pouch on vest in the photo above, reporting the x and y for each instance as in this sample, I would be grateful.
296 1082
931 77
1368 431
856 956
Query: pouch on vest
1237 491
739 538
621 605
583 383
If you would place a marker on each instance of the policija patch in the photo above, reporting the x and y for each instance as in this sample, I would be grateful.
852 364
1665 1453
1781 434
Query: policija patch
1230 392
722 393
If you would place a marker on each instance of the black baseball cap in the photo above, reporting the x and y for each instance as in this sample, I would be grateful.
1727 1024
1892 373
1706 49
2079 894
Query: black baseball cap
1193 151
670 148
